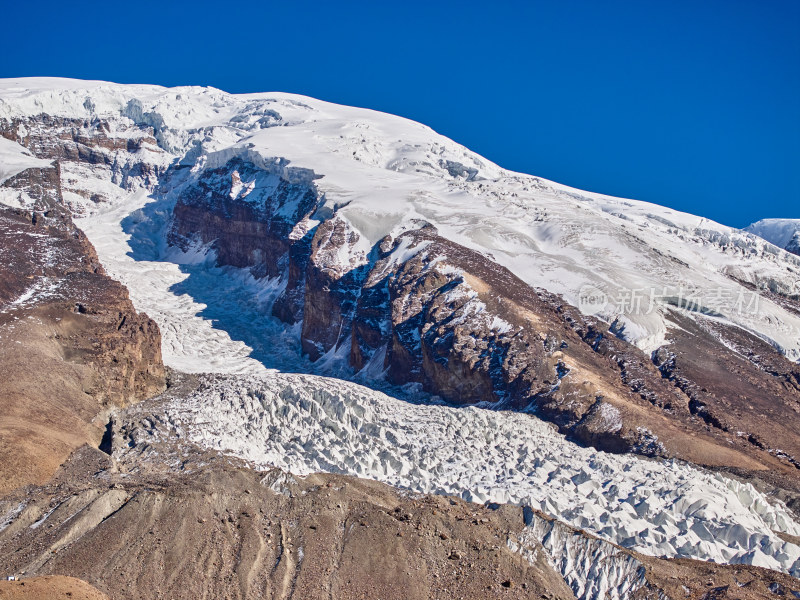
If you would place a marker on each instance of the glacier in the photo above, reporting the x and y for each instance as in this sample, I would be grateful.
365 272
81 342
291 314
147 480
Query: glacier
306 423
384 174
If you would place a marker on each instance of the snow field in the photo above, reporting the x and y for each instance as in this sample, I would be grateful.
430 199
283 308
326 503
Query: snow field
385 174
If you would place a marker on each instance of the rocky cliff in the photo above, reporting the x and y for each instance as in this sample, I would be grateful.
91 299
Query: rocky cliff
73 346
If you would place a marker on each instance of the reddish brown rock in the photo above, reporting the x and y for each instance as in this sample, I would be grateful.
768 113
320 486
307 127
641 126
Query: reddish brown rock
73 346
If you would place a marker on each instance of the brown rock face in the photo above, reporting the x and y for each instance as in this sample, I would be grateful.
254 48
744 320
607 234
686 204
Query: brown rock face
50 587
331 288
220 530
741 387
470 331
72 344
246 214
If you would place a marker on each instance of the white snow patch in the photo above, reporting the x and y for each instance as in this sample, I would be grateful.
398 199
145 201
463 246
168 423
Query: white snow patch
15 158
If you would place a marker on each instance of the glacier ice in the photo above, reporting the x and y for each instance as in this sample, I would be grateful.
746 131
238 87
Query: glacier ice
306 423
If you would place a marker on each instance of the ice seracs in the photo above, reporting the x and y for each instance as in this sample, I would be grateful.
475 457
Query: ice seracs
593 568
306 424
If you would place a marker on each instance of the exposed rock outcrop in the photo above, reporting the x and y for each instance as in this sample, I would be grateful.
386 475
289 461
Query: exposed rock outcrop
72 344
249 216
741 387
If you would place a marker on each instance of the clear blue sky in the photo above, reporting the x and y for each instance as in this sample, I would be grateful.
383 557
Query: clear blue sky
691 104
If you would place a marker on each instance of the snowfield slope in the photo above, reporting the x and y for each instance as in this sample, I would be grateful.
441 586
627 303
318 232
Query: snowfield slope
383 174
784 233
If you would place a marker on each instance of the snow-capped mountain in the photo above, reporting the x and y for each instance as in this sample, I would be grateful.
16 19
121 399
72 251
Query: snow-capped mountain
274 232
397 254
383 175
784 233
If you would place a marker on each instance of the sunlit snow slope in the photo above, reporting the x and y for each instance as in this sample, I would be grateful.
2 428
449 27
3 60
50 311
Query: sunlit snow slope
784 233
384 173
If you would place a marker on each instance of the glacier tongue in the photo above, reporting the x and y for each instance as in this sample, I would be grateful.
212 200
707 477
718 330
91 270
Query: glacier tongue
306 423
190 342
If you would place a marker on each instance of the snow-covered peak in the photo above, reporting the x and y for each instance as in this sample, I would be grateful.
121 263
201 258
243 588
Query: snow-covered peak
378 139
628 262
780 232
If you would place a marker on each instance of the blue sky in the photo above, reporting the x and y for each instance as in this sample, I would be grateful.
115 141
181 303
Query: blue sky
695 105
